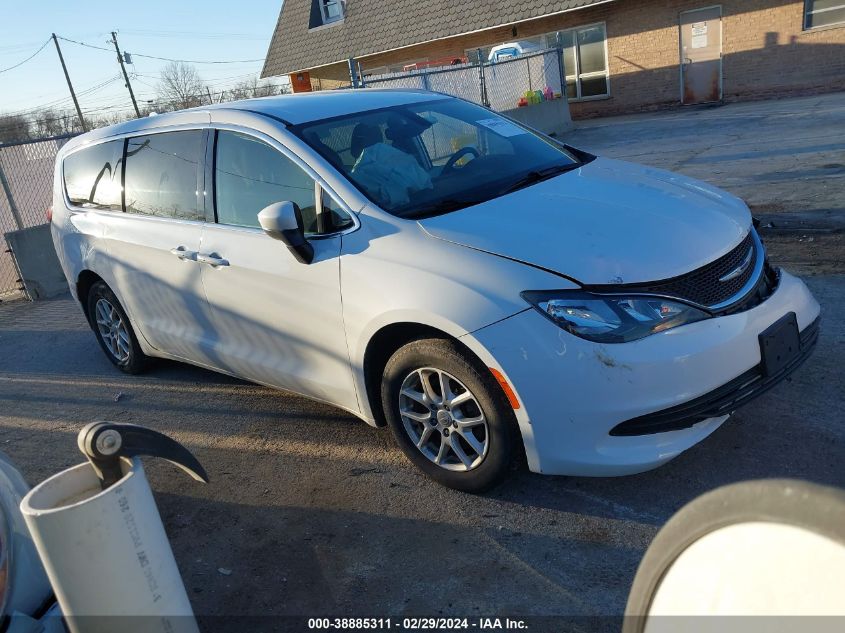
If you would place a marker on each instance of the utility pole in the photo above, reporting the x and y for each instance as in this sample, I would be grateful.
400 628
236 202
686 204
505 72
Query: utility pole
125 76
69 85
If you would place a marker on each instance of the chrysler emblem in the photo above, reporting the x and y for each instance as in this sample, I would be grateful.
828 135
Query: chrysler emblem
736 272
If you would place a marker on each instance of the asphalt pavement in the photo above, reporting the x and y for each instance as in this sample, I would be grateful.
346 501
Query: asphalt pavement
310 512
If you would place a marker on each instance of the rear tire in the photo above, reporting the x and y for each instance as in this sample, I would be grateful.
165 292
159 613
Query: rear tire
114 331
466 440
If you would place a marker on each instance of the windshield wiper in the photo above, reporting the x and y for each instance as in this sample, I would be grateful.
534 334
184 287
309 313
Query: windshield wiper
538 175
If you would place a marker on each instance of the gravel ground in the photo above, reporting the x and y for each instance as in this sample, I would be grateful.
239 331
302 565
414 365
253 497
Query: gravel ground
314 513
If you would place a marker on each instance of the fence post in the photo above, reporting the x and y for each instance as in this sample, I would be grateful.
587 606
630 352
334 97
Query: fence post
528 71
560 65
425 82
361 74
353 76
482 84
7 190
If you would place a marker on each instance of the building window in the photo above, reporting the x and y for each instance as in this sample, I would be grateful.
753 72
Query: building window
819 13
331 10
585 62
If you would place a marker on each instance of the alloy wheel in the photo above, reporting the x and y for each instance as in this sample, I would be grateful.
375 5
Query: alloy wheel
112 330
443 419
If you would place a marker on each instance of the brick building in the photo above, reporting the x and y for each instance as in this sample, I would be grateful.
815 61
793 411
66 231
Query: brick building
619 55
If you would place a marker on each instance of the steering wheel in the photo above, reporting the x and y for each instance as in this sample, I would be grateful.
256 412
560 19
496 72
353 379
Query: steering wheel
454 158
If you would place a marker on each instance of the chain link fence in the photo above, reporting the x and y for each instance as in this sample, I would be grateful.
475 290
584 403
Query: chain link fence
499 85
26 191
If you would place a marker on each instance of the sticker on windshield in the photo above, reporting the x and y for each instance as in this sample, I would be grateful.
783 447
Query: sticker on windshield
502 127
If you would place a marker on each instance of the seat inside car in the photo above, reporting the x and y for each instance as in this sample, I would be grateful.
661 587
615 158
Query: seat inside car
363 136
404 134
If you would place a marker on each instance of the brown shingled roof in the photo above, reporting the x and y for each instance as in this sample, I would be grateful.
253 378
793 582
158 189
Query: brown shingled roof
374 26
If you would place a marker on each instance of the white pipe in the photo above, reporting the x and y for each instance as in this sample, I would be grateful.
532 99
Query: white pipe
106 553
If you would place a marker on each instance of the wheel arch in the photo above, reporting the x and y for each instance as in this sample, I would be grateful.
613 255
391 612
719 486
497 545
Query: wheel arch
84 282
386 341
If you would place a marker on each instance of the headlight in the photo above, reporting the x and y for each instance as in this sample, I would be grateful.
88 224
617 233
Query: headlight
612 319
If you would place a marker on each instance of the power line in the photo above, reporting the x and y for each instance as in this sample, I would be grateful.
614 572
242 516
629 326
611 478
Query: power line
63 100
194 61
116 105
164 59
28 58
193 34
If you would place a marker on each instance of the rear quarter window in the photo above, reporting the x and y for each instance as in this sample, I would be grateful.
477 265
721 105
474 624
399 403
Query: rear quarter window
92 176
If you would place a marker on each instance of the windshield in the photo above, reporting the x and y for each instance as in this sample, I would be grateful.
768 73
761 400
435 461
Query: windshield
424 159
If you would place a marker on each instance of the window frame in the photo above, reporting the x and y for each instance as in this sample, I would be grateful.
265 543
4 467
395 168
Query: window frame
324 12
591 75
808 12
321 187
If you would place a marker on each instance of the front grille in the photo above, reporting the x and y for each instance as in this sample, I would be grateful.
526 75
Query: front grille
721 401
702 286
765 287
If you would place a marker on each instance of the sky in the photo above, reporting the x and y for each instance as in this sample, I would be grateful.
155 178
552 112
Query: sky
205 31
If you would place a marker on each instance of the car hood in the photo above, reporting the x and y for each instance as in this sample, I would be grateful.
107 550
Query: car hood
606 222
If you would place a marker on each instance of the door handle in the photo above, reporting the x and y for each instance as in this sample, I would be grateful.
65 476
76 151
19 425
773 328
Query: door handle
181 253
213 260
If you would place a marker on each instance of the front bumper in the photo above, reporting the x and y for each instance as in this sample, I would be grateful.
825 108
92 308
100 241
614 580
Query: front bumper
575 392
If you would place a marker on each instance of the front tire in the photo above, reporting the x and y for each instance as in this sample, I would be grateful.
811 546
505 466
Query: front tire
113 331
448 415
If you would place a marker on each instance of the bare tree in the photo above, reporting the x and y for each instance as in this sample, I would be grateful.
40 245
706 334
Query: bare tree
250 88
49 122
14 127
180 86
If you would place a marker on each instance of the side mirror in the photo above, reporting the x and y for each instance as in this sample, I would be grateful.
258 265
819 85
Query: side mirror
283 221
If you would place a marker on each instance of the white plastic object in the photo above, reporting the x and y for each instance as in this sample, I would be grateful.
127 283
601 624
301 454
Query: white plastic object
757 568
26 584
106 553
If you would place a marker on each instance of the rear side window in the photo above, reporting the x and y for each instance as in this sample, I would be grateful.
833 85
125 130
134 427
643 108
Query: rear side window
249 175
162 175
92 176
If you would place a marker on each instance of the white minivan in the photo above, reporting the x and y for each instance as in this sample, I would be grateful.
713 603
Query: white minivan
422 262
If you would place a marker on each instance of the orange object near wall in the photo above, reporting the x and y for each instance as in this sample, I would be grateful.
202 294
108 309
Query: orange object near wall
300 82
